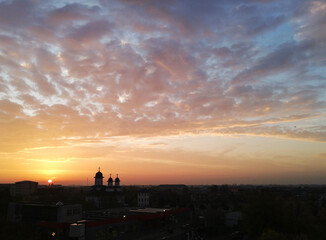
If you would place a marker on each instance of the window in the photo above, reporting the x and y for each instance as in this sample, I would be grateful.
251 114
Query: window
76 211
69 212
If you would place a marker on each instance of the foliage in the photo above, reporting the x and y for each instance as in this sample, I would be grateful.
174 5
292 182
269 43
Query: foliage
269 216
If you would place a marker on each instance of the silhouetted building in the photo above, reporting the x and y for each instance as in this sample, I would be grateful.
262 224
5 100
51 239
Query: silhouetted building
35 212
110 181
99 178
23 188
113 186
117 181
143 198
105 196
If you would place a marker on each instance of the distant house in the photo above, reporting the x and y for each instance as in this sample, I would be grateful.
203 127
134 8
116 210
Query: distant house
23 188
232 218
143 198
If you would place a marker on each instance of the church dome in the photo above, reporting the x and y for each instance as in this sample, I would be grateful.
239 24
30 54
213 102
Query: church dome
98 174
117 179
110 179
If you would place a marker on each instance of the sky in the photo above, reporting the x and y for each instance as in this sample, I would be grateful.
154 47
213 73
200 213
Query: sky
163 92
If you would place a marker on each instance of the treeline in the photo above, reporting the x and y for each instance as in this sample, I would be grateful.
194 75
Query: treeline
269 216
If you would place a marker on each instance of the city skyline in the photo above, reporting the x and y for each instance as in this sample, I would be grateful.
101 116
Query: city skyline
163 92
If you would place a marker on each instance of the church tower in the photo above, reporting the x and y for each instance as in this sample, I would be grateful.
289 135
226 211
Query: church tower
110 181
117 182
99 178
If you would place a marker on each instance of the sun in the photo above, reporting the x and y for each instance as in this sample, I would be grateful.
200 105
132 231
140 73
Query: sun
50 181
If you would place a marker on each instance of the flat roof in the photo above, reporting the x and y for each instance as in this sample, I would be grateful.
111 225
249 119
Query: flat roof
26 181
45 204
150 210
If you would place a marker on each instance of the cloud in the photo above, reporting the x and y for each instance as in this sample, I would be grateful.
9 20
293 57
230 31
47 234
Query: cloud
69 13
311 22
92 31
16 13
287 56
316 135
10 109
134 68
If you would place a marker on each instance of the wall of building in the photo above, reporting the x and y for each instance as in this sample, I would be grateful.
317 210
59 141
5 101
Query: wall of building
69 213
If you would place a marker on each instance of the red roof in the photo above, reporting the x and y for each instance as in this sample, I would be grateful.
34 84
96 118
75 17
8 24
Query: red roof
116 220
